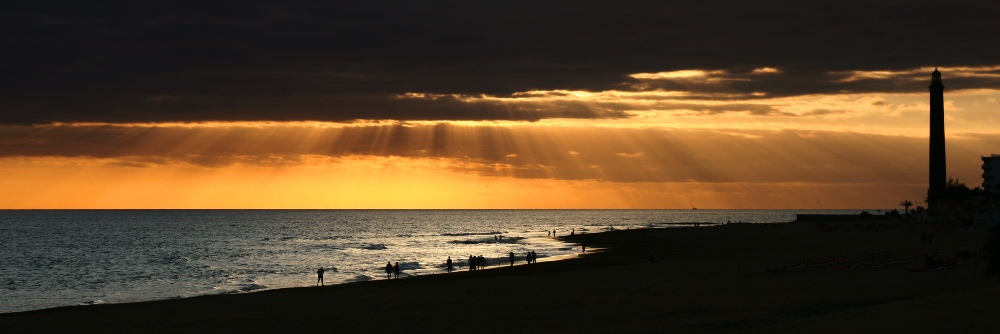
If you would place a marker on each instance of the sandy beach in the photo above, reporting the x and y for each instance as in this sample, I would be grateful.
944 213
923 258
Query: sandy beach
794 278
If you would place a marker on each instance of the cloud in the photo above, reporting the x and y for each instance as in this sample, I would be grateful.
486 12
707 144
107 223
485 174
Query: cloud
532 152
820 112
177 61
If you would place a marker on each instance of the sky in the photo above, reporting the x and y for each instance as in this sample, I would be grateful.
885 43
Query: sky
489 104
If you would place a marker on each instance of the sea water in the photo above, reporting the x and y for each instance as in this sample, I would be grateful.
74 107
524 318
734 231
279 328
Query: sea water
52 258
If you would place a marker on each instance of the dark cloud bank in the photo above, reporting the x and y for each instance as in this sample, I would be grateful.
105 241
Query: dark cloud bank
150 61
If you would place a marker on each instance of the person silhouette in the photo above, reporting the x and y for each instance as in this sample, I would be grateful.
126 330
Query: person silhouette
584 246
319 276
388 270
395 270
449 264
511 259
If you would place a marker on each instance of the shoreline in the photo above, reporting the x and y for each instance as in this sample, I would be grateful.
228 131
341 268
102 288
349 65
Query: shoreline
706 279
458 269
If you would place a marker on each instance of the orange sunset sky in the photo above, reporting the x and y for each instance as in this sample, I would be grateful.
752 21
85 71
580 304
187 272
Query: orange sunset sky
583 107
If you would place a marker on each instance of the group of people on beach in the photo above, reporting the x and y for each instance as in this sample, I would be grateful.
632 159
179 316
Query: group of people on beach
479 262
475 263
391 270
531 257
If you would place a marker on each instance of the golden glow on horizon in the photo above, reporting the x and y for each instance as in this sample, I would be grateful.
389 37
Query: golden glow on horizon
376 183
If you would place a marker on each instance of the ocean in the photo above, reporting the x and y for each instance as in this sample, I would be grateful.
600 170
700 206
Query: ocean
53 258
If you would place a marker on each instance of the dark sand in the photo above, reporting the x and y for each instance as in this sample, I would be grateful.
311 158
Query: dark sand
708 279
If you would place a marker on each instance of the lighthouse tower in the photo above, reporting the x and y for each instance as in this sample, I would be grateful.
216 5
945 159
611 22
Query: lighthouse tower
938 175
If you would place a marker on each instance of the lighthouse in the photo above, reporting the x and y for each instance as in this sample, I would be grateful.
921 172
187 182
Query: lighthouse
937 173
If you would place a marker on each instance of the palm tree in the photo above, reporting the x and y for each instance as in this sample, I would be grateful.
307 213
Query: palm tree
906 206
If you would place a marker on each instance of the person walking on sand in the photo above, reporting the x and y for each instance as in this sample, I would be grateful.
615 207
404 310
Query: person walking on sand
395 269
319 276
449 265
388 270
511 259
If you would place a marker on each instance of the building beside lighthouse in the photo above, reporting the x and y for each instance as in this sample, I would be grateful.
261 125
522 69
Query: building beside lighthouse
988 214
991 174
937 173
